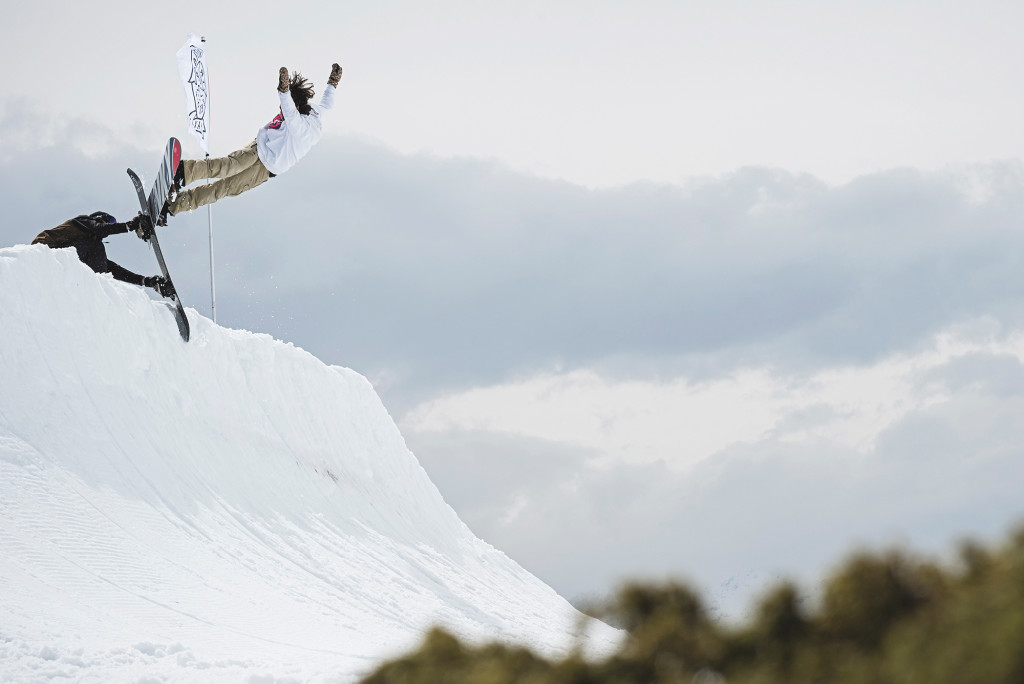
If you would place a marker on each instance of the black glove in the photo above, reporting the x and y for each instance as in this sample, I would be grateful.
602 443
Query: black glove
142 225
161 285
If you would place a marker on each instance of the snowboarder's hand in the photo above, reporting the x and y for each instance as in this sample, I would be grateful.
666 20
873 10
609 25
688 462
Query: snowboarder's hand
160 284
142 225
282 80
335 76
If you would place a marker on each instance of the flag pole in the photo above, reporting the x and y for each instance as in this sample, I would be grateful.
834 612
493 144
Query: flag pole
213 284
209 214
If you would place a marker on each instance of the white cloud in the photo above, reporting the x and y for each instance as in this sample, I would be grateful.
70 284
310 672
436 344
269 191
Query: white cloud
918 447
682 422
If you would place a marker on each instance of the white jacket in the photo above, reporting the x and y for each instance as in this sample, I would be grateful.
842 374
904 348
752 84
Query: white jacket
287 139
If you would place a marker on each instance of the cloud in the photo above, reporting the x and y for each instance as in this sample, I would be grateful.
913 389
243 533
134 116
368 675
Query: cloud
487 475
494 273
681 422
451 273
923 448
1000 375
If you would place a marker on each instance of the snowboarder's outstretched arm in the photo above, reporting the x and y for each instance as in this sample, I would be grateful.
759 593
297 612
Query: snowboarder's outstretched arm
288 108
140 225
124 275
95 226
162 286
327 99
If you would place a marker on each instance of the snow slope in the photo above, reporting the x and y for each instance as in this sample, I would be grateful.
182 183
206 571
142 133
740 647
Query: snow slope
231 509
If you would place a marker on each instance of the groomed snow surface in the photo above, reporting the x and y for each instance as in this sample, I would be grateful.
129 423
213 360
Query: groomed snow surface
230 509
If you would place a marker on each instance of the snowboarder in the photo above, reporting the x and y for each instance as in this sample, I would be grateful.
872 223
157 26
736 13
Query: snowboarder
86 233
277 147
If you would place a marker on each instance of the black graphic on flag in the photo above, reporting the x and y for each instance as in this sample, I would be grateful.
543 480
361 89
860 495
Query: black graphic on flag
197 80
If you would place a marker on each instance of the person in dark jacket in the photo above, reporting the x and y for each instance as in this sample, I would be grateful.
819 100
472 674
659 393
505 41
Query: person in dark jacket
86 234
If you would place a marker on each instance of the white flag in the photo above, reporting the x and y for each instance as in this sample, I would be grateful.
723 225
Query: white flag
192 69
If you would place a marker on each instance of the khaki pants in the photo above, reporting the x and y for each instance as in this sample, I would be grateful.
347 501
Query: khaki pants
239 171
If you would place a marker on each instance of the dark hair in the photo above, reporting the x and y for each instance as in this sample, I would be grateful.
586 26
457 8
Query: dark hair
302 92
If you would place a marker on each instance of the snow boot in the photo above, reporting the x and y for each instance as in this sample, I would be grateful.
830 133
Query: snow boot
161 220
178 182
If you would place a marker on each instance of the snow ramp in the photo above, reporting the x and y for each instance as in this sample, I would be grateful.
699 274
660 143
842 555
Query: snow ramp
227 509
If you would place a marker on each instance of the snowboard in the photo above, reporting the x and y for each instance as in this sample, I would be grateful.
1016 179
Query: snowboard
153 205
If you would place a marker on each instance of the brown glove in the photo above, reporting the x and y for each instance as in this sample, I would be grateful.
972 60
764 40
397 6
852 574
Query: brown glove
282 80
335 75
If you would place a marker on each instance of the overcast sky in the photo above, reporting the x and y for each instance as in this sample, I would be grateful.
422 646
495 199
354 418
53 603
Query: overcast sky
714 289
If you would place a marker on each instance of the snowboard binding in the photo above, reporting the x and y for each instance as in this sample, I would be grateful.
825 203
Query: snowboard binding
143 226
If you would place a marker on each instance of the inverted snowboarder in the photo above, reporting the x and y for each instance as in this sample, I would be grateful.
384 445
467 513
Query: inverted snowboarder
86 233
278 146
